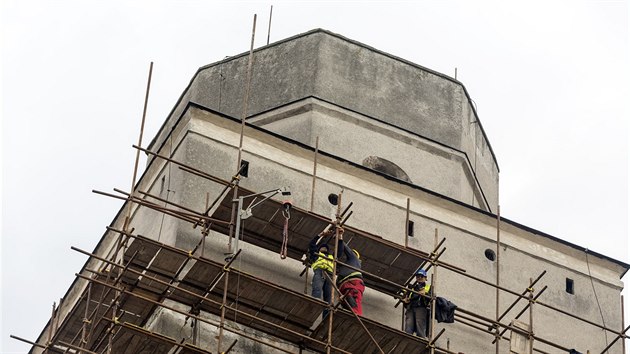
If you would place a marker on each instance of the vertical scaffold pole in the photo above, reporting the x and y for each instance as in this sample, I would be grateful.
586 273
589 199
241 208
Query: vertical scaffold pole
135 167
497 317
334 277
240 143
238 168
531 316
269 28
433 293
86 320
623 326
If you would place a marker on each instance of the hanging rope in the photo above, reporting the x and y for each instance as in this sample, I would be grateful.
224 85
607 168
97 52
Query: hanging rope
286 212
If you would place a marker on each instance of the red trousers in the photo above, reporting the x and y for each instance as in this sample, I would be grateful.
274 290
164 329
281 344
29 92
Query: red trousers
353 291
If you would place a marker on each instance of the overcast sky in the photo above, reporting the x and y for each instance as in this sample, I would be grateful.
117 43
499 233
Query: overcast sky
549 80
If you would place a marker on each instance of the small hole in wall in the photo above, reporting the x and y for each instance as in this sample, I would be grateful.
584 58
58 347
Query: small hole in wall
569 286
490 255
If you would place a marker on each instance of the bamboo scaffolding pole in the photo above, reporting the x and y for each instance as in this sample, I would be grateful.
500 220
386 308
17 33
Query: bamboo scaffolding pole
84 333
473 319
51 346
239 166
269 28
250 61
144 115
433 292
45 347
186 168
623 340
174 213
531 316
147 194
621 336
334 272
110 343
432 341
465 321
523 293
527 306
497 294
137 160
190 217
226 280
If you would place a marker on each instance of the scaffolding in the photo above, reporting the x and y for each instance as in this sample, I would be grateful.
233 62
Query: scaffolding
141 276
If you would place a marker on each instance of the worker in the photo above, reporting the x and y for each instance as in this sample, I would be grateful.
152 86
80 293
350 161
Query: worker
417 304
321 260
349 277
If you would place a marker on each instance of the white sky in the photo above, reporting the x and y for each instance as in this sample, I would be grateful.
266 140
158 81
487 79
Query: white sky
550 81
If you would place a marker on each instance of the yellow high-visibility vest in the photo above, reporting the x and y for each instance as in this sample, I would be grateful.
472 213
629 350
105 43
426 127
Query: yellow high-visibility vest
324 262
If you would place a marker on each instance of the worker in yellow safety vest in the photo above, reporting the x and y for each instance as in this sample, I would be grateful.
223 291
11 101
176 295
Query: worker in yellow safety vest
417 305
321 260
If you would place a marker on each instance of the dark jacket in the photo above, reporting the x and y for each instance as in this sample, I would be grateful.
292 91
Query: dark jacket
444 310
351 259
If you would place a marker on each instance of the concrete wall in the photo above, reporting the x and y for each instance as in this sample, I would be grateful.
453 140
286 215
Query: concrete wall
361 79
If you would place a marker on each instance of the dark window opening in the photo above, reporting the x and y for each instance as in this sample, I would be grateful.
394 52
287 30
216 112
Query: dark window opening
569 287
490 254
244 168
410 228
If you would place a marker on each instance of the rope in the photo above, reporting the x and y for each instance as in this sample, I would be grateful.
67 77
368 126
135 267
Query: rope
286 212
